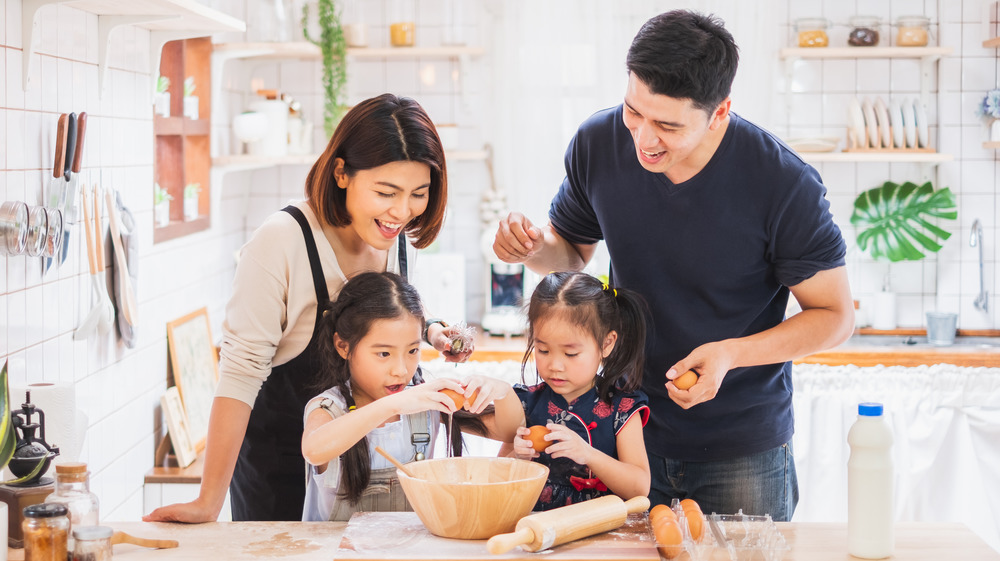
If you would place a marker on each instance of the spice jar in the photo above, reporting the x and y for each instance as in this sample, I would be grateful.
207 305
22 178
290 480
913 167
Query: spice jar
864 32
73 491
912 31
93 543
812 32
46 531
402 26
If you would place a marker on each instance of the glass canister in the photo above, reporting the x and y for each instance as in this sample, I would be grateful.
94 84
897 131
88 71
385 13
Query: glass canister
73 491
402 23
812 32
864 31
46 532
93 543
912 31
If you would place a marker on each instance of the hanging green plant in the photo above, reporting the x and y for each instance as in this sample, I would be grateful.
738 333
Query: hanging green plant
333 47
893 220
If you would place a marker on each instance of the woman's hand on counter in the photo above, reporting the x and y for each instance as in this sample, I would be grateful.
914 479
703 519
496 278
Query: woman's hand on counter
194 512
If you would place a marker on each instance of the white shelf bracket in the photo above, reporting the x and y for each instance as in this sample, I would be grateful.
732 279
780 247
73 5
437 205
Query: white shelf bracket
159 38
107 23
29 9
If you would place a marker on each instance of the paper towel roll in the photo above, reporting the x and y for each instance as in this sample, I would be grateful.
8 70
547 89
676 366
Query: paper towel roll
65 427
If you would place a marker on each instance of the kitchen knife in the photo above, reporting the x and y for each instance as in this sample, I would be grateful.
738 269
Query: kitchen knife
68 203
59 163
57 184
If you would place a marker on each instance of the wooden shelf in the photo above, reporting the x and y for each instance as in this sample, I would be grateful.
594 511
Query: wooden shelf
243 162
866 52
165 126
306 50
167 20
992 43
883 157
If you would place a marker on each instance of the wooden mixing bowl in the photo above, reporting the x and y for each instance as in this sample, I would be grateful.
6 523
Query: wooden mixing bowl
472 498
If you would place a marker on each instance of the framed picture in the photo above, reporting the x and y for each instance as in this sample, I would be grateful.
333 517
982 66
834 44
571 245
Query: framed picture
177 427
195 369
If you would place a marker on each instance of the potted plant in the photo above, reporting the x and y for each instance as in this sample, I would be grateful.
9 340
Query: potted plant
989 110
161 100
191 191
161 205
333 46
893 223
190 100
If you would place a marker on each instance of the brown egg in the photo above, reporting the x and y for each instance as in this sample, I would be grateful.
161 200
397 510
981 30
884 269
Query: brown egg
668 535
686 380
659 511
459 399
456 397
536 436
695 518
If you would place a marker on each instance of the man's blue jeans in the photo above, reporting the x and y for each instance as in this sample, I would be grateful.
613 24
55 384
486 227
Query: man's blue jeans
762 483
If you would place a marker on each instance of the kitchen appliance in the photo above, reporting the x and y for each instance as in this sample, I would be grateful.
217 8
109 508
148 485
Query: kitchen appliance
32 455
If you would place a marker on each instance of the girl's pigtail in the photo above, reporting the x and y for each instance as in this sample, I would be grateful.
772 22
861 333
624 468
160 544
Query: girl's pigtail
622 369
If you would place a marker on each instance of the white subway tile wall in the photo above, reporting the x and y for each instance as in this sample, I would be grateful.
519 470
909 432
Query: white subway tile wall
524 104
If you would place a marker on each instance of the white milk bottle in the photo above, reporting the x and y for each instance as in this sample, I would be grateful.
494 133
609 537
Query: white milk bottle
869 485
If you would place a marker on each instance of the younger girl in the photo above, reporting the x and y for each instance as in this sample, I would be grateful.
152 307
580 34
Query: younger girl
588 341
371 344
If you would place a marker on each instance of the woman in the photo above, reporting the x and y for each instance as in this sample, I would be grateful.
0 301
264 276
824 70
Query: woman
381 179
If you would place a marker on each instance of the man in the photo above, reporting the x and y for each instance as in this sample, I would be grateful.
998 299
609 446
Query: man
714 222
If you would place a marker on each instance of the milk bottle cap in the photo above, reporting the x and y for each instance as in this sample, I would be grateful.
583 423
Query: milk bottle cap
870 409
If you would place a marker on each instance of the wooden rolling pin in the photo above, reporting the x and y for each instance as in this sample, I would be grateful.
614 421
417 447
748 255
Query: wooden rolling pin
543 530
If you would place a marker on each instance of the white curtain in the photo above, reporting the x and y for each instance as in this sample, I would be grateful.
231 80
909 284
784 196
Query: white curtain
946 429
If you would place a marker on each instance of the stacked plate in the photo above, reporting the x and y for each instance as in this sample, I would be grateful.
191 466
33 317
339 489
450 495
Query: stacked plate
900 124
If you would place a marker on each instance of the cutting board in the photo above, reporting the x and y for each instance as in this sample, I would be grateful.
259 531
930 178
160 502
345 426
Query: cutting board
396 536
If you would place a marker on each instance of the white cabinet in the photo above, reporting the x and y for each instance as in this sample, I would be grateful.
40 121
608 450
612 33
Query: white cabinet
166 20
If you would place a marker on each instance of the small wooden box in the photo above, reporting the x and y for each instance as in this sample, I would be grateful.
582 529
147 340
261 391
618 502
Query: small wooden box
17 498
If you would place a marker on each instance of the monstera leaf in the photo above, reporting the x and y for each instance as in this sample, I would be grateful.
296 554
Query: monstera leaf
894 219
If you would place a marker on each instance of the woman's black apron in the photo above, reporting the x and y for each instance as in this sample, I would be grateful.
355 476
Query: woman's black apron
267 481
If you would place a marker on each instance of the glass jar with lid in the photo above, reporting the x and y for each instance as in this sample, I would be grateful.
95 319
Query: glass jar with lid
46 532
864 31
92 543
402 23
912 31
812 32
73 491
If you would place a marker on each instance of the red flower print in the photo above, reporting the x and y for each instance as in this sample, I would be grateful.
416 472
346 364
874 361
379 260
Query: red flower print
625 404
602 410
554 409
546 496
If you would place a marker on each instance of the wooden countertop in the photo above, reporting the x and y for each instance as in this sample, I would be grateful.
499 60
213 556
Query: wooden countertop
302 541
861 350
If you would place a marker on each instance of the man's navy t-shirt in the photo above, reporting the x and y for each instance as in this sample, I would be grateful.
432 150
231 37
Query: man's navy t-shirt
713 256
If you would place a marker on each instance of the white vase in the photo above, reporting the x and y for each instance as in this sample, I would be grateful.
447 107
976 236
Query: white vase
191 107
190 208
161 214
995 130
161 104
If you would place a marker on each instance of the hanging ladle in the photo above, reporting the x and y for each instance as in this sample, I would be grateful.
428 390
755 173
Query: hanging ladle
395 462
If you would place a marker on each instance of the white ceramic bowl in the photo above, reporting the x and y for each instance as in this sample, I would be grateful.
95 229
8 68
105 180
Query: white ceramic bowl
250 126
